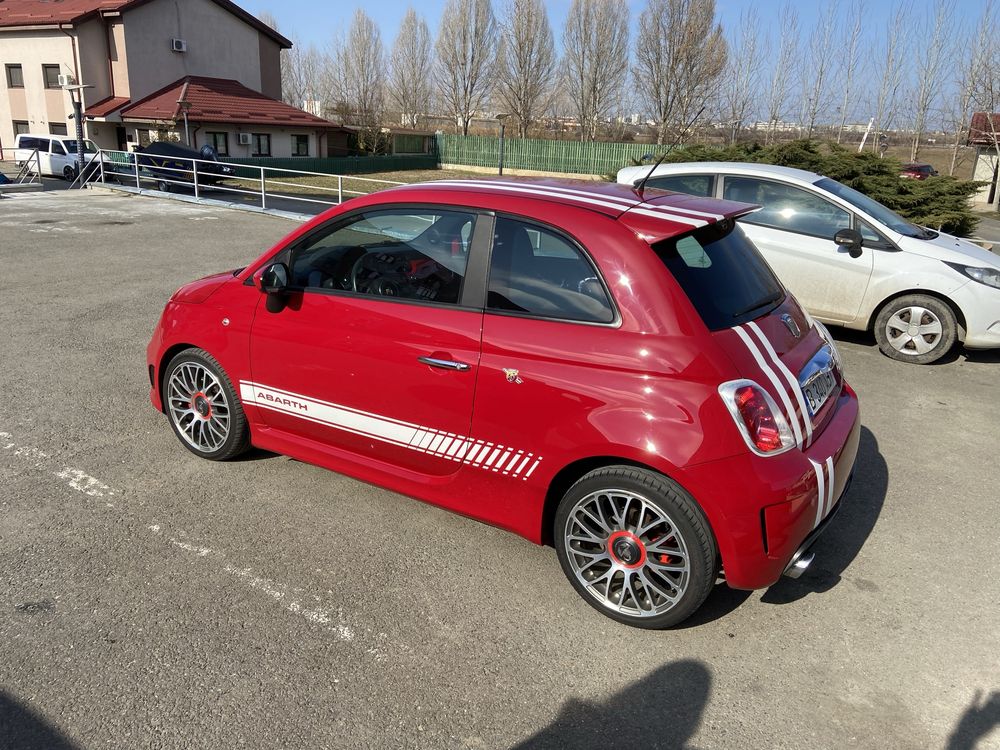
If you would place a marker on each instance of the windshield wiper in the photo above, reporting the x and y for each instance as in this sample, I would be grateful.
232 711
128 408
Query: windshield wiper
766 301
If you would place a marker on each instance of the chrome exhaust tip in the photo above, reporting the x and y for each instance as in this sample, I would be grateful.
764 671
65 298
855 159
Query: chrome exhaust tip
800 564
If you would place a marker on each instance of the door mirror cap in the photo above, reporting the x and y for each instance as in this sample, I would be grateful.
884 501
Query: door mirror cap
851 240
274 280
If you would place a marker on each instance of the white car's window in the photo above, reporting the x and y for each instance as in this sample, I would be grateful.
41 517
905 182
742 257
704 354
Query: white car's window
57 149
786 207
89 147
692 184
405 254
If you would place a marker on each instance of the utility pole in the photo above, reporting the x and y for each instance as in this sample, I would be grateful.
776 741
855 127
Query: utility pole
76 92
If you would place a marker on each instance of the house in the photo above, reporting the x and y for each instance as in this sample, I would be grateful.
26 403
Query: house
984 134
134 54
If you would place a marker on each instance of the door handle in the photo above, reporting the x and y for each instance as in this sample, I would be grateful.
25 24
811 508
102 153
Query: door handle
444 364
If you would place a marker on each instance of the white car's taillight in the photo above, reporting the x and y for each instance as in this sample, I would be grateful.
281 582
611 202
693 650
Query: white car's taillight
760 421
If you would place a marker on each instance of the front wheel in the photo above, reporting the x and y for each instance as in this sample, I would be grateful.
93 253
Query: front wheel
203 407
916 328
69 173
635 546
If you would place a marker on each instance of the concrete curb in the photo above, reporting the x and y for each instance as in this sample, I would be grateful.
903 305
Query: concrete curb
290 215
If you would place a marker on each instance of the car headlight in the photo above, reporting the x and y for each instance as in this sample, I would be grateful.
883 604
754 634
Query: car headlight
988 276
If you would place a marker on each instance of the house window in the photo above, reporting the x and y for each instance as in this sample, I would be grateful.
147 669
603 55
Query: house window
20 126
261 144
58 128
15 77
51 75
300 145
220 142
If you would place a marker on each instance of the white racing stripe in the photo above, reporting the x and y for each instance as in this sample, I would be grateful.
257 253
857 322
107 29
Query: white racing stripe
830 486
820 492
447 445
793 419
793 382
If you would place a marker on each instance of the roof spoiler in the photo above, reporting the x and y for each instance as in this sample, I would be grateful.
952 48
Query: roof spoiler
673 214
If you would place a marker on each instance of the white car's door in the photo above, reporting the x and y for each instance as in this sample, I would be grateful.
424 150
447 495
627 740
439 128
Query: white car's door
794 231
58 159
44 157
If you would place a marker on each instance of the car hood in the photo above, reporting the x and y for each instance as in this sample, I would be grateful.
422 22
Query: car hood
200 290
951 250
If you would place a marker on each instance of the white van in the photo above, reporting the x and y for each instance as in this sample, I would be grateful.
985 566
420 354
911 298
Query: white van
56 153
853 262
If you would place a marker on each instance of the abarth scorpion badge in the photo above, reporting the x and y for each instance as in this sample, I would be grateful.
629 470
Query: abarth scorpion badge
512 376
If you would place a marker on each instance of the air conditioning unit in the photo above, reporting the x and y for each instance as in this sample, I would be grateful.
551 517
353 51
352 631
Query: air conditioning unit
178 45
66 80
245 139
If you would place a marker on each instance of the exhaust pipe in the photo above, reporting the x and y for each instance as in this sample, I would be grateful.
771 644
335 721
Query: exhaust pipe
800 563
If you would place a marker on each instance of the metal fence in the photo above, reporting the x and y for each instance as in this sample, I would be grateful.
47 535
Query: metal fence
27 171
542 155
343 165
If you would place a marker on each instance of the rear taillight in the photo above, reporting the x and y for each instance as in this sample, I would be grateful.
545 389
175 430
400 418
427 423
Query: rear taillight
760 421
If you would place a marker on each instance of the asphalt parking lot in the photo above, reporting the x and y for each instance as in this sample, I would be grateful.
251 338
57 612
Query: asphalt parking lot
151 599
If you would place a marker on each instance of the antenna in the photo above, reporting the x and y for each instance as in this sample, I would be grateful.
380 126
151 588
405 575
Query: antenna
642 183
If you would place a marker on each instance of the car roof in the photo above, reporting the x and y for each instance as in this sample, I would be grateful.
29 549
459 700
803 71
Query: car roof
732 167
657 213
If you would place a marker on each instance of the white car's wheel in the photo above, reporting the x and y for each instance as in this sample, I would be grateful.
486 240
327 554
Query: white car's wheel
916 328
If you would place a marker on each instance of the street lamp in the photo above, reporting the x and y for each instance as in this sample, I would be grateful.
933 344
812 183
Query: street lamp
76 92
185 105
502 117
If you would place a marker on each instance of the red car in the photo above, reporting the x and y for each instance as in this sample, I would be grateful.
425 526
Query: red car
614 373
917 171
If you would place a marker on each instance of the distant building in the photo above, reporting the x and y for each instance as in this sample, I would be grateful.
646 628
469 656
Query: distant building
984 135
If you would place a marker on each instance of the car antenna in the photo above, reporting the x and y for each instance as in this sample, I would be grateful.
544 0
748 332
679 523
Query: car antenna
640 186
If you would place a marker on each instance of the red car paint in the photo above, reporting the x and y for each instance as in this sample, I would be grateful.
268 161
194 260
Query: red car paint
544 400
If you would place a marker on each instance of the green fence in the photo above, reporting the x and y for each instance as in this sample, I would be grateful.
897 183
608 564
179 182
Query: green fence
338 164
544 156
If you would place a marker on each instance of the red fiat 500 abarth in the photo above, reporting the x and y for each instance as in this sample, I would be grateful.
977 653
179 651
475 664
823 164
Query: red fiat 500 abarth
619 375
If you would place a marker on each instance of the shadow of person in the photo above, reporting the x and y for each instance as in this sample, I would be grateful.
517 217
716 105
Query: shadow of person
837 547
659 712
979 720
23 729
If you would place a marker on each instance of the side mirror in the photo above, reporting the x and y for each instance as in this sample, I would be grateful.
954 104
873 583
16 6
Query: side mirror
274 279
851 240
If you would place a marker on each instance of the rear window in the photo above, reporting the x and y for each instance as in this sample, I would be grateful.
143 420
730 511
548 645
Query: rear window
722 274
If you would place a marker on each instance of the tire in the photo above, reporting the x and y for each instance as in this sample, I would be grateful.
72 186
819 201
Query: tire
163 186
69 173
203 408
622 563
926 341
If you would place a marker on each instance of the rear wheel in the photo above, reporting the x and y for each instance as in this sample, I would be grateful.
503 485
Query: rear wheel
916 328
203 407
635 546
163 186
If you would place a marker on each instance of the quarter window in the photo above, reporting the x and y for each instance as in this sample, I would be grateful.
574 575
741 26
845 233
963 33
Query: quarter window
786 207
50 74
537 271
220 142
261 144
414 255
692 184
300 145
15 77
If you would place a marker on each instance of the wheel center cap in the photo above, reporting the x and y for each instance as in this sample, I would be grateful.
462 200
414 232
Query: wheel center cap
913 330
202 406
626 549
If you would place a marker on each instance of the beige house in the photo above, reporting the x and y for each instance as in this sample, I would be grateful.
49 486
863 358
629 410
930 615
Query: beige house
984 134
125 51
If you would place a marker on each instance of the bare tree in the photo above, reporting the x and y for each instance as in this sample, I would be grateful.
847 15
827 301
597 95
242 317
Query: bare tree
267 18
359 78
958 107
741 79
595 44
302 72
815 71
890 73
984 74
681 51
526 67
465 54
781 74
410 68
850 60
929 65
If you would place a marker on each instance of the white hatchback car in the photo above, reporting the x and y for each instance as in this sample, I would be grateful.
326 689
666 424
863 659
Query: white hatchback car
853 262
56 153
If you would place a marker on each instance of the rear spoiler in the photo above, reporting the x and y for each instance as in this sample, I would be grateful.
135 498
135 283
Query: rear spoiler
670 214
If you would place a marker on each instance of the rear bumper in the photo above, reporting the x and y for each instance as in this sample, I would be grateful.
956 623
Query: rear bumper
765 510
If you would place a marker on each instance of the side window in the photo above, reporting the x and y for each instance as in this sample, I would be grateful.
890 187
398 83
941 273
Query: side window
786 207
57 149
537 271
871 237
692 184
405 254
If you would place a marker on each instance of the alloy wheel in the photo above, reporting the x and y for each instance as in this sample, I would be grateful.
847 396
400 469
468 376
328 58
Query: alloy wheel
196 401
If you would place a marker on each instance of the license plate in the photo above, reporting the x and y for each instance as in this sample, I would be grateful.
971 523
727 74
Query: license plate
818 380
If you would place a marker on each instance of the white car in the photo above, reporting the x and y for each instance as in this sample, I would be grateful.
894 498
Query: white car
853 262
56 153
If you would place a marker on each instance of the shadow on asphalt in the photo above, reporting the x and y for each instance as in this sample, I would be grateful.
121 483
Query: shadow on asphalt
22 728
978 721
842 541
867 340
662 711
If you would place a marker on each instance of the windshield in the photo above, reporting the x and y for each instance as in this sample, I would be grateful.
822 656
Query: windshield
88 147
873 208
722 274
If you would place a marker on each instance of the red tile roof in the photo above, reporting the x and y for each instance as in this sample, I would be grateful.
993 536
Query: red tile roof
985 129
220 100
49 12
105 107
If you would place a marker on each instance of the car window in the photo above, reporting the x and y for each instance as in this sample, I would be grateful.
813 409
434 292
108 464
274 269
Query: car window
57 149
692 184
786 207
538 271
404 254
872 237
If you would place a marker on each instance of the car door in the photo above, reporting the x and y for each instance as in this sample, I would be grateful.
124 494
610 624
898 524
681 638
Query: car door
794 232
44 157
375 349
58 159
